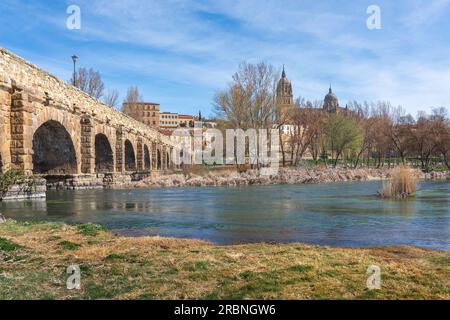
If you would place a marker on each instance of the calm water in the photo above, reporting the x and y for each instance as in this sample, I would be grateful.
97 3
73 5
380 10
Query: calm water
345 214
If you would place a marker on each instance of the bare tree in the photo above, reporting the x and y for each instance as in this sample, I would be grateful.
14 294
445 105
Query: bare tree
112 98
316 123
89 81
249 101
398 132
308 121
133 96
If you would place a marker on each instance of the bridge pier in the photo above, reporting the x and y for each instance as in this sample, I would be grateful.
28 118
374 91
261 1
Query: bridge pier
120 166
21 149
172 166
163 158
87 150
140 155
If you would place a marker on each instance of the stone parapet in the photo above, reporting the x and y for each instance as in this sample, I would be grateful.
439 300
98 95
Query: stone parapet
49 127
19 73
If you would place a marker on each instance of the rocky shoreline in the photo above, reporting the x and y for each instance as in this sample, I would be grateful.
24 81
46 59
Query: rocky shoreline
285 176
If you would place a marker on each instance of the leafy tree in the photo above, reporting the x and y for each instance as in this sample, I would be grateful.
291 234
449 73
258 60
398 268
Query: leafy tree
342 135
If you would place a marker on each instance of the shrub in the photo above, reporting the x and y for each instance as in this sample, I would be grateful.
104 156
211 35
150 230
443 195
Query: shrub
401 185
90 229
9 178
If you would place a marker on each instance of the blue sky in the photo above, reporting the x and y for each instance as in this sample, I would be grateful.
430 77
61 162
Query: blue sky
179 53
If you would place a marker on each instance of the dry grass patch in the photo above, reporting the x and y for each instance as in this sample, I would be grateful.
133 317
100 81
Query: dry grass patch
401 185
162 268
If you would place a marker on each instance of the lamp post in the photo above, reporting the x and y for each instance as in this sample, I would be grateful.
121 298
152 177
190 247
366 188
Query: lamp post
74 59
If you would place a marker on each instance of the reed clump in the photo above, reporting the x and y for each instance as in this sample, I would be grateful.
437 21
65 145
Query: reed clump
401 185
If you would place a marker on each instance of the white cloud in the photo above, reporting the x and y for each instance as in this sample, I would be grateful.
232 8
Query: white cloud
198 44
420 14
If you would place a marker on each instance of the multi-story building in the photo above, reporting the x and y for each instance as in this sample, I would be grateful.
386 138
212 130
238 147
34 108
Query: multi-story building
168 121
145 112
150 114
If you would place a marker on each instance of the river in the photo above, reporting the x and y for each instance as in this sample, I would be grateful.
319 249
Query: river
336 214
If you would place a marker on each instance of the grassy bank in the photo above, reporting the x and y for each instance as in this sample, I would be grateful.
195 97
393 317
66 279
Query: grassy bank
34 258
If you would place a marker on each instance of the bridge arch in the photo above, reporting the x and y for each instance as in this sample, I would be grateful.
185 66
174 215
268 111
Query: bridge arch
104 157
130 156
147 159
53 150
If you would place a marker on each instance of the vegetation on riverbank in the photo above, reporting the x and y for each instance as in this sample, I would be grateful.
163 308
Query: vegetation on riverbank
401 185
34 258
206 177
10 178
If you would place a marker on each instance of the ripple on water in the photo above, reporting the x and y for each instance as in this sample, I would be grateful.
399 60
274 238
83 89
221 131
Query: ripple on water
336 214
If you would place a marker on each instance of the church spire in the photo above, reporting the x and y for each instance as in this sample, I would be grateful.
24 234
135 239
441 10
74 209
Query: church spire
284 91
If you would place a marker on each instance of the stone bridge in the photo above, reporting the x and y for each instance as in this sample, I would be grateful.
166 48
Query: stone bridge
48 127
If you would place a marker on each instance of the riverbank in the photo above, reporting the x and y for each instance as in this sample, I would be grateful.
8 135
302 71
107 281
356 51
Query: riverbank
34 258
211 178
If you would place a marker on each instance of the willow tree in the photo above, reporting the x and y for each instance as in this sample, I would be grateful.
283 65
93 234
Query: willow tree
343 135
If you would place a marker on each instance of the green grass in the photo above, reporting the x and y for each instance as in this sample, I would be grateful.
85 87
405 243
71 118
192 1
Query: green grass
301 268
67 245
90 229
7 246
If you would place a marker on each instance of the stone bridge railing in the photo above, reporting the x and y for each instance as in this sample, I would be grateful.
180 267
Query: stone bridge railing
50 127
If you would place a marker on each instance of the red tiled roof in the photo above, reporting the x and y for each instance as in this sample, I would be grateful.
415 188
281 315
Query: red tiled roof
144 103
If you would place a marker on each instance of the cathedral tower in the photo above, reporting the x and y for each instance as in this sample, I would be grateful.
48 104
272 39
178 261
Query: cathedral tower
285 98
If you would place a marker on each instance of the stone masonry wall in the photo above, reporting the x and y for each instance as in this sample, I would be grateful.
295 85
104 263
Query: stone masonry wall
30 97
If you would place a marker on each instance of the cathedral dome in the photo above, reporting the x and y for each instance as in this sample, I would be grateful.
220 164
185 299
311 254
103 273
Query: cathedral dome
331 102
331 95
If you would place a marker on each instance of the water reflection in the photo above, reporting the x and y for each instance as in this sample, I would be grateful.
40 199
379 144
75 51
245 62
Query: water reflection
333 214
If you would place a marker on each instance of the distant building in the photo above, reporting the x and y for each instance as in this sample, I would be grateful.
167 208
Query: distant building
168 121
145 112
285 96
186 121
150 114
331 103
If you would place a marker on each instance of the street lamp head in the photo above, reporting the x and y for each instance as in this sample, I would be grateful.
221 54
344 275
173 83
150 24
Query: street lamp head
74 58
